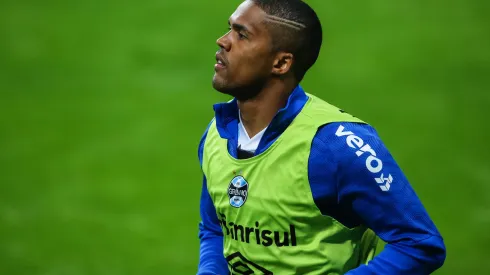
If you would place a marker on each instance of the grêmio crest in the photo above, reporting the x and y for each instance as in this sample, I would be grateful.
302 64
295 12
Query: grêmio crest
238 191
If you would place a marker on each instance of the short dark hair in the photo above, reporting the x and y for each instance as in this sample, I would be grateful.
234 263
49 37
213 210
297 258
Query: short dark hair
304 43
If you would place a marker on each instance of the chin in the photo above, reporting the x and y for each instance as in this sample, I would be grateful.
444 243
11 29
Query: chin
219 85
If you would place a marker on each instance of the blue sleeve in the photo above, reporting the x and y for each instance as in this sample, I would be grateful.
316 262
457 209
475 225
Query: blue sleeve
355 179
211 259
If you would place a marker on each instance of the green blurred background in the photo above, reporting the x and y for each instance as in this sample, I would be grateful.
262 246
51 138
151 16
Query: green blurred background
103 103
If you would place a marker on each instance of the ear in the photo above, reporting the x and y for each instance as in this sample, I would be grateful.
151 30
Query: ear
282 63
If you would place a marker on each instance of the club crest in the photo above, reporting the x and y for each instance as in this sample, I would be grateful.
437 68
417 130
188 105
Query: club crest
238 191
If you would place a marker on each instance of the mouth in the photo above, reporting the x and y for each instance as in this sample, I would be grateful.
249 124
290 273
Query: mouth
220 62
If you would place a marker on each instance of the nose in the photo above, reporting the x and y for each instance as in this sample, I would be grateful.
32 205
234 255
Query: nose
224 43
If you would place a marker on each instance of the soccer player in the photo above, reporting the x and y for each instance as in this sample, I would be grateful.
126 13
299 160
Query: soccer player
292 184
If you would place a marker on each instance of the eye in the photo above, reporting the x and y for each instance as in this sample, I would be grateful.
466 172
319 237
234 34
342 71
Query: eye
241 36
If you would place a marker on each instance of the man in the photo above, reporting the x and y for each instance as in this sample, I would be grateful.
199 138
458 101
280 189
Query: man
293 185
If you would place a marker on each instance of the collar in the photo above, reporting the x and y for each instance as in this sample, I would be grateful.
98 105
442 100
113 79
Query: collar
226 115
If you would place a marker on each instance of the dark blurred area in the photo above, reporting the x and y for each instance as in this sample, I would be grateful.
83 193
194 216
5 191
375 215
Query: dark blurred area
103 103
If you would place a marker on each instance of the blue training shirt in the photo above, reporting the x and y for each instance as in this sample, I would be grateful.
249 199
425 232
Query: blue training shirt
397 216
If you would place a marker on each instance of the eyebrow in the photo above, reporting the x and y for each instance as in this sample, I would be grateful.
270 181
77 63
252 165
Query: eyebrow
239 27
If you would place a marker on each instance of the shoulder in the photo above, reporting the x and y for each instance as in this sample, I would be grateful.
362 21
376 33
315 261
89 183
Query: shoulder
347 142
202 141
338 142
357 151
352 134
333 155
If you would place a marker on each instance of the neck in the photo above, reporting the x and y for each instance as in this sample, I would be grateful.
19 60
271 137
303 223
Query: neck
258 112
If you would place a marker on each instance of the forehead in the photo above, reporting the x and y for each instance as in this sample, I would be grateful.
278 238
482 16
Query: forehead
249 15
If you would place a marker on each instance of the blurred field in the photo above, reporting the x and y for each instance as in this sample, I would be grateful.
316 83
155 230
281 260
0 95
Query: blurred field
103 103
